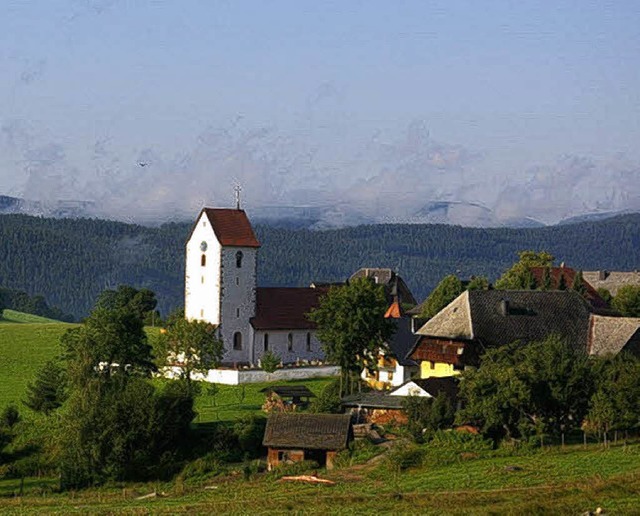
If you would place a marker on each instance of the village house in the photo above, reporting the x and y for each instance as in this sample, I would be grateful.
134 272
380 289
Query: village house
293 438
476 320
612 280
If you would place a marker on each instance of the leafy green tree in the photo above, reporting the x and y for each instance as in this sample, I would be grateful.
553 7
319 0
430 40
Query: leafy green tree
351 325
194 345
605 295
141 302
578 284
48 390
329 400
447 290
428 415
519 276
250 430
478 283
601 416
627 301
546 279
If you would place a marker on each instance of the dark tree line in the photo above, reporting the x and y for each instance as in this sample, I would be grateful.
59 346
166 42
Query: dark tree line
37 305
70 261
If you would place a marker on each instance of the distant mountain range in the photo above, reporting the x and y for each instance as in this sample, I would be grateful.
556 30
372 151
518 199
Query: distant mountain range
320 216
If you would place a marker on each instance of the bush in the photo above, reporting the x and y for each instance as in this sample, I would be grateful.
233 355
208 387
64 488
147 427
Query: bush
249 431
406 456
361 451
205 467
270 361
296 468
329 400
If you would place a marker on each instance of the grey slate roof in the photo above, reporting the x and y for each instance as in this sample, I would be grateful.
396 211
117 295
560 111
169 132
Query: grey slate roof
612 280
375 400
308 431
290 391
402 341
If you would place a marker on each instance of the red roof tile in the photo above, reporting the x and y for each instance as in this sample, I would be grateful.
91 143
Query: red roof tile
232 227
285 308
569 274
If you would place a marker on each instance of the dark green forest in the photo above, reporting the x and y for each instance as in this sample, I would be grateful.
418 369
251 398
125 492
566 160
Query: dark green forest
70 261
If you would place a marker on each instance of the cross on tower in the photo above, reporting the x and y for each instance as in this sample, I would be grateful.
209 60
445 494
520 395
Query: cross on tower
237 189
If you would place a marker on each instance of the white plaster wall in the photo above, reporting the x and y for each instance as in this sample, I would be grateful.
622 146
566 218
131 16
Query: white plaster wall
237 377
238 301
202 299
278 344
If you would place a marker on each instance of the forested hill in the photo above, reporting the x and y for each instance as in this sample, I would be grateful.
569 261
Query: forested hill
70 261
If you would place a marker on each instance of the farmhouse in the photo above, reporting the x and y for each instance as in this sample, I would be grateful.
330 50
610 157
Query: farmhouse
221 288
612 280
296 437
476 320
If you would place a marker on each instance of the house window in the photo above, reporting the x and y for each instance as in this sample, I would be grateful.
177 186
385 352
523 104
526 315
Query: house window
308 342
390 376
290 342
239 259
203 260
237 340
266 342
432 364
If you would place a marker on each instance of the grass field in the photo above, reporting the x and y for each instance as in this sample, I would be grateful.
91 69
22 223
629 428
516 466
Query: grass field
550 481
26 343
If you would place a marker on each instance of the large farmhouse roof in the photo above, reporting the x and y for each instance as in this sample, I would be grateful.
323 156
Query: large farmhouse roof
309 431
497 317
612 280
285 308
232 227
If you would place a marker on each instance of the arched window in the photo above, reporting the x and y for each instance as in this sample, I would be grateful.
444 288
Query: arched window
290 342
308 342
239 259
266 342
237 340
203 260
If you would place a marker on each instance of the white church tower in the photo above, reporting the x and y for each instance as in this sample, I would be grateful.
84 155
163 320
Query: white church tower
220 279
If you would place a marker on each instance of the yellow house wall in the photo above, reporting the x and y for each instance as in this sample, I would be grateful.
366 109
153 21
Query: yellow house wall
440 369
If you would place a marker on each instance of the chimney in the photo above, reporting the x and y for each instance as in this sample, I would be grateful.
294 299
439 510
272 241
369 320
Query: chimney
562 265
504 307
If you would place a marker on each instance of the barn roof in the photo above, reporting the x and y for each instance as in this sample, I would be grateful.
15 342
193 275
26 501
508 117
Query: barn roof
308 431
279 308
232 227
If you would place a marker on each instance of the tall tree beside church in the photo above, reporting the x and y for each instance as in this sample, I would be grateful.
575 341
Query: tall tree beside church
194 344
352 326
519 276
141 301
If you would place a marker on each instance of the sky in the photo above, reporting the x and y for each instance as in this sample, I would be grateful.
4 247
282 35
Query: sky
152 109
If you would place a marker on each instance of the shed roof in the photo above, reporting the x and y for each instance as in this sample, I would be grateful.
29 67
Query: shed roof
308 431
374 400
231 227
279 308
290 391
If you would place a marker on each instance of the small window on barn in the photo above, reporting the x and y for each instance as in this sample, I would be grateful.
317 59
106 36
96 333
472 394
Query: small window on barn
266 342
290 342
308 342
237 340
203 260
239 259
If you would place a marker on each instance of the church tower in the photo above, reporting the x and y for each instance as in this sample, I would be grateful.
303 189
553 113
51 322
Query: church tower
220 279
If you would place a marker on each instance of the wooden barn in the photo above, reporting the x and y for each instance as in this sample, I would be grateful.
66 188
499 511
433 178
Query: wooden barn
296 437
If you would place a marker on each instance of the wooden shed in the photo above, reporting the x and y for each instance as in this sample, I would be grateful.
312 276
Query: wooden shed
297 437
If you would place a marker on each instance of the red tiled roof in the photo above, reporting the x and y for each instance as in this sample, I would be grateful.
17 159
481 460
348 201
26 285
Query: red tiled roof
569 274
285 308
232 227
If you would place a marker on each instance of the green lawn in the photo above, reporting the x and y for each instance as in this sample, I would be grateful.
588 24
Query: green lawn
11 316
551 481
25 345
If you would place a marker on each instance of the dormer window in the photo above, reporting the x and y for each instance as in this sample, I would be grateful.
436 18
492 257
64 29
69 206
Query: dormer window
239 259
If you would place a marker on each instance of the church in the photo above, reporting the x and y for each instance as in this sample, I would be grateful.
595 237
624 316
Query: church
221 288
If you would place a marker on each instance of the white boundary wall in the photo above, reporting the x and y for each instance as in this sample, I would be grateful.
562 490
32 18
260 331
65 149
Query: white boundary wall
242 376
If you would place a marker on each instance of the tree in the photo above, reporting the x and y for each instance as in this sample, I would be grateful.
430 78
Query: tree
627 301
546 279
519 276
194 345
478 283
351 325
578 284
269 361
605 295
562 282
428 415
48 390
447 290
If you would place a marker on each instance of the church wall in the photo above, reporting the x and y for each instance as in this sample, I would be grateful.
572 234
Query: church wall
238 301
279 344
202 284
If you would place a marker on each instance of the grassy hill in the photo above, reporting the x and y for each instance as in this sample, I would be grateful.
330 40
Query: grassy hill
550 481
26 343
